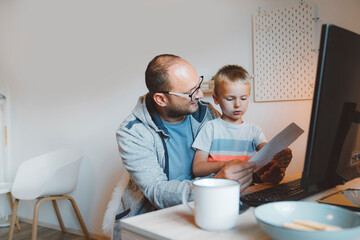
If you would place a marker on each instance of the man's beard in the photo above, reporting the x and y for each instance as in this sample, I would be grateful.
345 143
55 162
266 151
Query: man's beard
177 112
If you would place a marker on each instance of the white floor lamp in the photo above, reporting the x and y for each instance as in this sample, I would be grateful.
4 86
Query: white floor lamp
5 187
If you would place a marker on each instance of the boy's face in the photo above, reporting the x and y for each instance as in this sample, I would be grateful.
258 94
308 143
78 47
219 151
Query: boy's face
233 99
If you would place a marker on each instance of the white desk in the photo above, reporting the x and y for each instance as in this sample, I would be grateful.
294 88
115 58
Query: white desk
176 223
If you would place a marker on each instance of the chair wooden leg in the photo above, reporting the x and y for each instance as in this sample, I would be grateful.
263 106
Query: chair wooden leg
61 223
36 215
11 205
81 221
35 219
13 219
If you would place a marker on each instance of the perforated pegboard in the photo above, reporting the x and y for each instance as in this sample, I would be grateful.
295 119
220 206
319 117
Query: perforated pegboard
283 53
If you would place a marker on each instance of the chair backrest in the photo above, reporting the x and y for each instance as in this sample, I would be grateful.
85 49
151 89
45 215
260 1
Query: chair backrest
54 173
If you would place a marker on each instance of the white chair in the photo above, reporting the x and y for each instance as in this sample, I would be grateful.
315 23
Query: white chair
47 177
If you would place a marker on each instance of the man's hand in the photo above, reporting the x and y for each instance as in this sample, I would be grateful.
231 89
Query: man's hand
238 170
274 171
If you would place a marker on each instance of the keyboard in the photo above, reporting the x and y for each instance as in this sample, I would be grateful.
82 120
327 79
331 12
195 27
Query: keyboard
281 192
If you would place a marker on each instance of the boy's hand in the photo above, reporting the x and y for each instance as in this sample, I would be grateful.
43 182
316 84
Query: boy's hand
274 171
238 170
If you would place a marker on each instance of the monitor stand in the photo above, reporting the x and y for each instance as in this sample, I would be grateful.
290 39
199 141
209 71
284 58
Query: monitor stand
339 199
349 115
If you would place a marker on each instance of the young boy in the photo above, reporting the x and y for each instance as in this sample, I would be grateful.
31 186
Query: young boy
229 137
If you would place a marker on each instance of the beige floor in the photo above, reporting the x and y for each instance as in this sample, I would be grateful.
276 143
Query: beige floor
43 233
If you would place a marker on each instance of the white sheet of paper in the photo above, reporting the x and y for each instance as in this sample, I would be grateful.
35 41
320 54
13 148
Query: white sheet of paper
277 144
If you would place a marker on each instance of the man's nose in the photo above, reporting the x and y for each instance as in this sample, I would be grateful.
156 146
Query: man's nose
199 94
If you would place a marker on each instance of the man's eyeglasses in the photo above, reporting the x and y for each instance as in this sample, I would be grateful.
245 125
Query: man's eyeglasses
192 95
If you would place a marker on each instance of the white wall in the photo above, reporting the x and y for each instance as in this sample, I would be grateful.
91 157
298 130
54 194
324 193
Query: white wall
76 68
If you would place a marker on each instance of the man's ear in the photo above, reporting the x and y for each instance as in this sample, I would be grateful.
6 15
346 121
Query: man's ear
215 99
160 99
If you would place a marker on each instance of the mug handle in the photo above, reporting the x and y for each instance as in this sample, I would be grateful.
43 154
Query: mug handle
185 199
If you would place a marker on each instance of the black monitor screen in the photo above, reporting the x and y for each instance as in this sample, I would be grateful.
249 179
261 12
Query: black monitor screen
333 147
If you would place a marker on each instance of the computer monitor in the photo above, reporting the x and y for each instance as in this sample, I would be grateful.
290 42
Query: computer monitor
333 147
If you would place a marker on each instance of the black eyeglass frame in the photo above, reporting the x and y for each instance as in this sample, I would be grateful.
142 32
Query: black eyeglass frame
191 95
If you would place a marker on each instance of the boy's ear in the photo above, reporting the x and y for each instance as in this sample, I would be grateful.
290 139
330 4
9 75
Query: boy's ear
215 99
160 99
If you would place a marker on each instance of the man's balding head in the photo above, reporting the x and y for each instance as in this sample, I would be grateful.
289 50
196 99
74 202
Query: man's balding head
156 74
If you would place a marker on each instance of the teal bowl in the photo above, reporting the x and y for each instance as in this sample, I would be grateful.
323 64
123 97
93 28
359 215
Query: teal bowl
272 216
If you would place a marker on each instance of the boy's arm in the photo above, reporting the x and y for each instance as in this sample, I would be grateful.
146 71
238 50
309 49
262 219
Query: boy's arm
260 146
203 168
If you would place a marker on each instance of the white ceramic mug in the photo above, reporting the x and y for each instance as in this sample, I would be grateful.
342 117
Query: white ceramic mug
216 203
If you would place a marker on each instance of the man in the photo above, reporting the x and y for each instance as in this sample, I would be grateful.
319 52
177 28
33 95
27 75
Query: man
155 140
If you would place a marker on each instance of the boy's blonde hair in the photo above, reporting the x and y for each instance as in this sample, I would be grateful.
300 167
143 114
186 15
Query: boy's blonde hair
230 74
